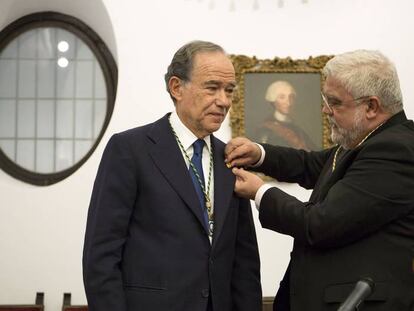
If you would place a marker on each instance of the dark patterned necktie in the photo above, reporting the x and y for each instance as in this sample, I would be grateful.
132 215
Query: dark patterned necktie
198 146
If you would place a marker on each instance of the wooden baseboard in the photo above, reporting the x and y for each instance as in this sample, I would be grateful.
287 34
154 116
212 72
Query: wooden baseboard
268 303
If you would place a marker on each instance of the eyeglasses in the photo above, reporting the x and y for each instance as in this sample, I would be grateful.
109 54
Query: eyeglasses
331 103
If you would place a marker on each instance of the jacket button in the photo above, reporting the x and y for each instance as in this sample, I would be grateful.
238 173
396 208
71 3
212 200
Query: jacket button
205 293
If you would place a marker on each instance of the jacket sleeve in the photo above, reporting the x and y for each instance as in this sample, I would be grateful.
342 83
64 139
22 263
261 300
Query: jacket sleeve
109 213
246 288
374 191
293 165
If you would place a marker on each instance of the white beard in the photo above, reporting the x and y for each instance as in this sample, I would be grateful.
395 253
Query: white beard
348 138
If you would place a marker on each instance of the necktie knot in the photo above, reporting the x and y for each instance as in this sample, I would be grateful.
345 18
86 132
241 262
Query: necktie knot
198 146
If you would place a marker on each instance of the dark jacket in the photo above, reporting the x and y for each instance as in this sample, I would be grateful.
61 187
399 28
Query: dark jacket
359 221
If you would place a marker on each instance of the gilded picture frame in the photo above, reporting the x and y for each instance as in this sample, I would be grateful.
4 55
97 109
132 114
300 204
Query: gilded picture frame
253 113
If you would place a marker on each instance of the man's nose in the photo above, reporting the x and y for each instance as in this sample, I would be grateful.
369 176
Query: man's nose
223 99
326 110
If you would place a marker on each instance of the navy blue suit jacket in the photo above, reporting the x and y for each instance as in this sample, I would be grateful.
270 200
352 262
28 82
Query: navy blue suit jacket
146 247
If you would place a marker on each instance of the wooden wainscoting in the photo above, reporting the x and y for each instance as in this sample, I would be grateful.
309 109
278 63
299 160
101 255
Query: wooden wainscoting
268 303
37 306
67 306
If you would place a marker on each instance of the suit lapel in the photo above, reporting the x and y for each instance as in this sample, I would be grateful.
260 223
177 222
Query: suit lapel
167 156
223 187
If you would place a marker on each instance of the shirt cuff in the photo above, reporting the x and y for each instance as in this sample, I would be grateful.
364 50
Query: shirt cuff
260 193
262 156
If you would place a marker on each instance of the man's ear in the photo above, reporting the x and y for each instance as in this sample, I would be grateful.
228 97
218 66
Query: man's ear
373 107
175 86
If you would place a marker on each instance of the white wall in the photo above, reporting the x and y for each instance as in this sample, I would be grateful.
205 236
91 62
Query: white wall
41 229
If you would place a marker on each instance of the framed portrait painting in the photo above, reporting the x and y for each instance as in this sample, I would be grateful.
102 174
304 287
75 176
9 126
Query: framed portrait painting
279 102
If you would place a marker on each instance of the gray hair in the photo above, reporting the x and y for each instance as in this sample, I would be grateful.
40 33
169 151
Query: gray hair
182 63
367 73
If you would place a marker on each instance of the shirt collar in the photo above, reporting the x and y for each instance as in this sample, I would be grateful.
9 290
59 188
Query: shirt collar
186 137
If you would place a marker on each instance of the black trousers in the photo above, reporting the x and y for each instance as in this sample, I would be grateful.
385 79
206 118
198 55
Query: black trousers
282 299
209 304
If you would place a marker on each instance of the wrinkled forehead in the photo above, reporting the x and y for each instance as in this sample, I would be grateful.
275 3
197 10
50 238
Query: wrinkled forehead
332 85
213 65
334 89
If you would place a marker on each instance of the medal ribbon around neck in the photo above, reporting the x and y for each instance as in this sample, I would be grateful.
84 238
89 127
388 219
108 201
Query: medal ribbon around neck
205 192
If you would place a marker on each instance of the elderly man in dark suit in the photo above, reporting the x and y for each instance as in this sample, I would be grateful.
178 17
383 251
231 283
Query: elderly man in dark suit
165 230
359 220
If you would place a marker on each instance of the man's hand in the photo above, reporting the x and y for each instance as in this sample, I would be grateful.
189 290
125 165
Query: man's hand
240 152
247 183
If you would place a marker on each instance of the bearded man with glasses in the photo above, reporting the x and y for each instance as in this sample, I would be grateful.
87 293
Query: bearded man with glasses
359 220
